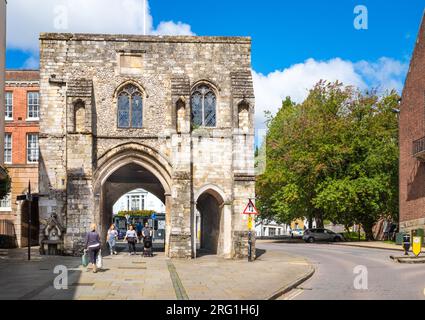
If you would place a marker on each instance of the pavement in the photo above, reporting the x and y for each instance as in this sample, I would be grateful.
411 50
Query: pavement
127 277
341 268
374 245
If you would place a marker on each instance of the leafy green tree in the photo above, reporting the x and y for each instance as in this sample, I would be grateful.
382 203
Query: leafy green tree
5 184
332 157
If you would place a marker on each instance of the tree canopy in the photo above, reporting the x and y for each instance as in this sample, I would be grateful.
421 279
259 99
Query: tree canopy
5 184
333 157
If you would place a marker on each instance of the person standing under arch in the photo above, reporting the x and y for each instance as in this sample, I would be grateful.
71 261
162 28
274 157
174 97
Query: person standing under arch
131 238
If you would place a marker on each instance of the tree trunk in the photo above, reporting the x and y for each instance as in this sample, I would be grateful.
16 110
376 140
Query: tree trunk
319 219
367 227
310 222
347 228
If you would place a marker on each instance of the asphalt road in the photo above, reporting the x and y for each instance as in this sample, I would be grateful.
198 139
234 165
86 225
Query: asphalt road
335 279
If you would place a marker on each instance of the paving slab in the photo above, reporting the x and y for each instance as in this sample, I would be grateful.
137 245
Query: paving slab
134 277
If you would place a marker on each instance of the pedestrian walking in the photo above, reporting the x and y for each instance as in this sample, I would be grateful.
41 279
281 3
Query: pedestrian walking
131 238
112 239
147 234
93 245
147 231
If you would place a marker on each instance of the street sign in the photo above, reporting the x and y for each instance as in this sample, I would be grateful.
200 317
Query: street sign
250 208
250 222
153 216
21 197
417 246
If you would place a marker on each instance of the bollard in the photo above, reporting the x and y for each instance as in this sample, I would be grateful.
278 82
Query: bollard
406 244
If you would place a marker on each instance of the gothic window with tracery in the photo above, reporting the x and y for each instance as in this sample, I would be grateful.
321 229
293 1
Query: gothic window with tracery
130 107
204 105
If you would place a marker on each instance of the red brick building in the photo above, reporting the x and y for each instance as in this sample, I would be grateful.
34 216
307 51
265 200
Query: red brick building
21 149
412 141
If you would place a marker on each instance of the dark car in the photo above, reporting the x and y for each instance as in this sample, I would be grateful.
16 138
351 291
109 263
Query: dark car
313 235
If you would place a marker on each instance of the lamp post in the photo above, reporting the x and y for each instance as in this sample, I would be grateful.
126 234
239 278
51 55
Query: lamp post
29 200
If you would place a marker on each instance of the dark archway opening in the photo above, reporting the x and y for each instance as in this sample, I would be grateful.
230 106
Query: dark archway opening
209 226
124 180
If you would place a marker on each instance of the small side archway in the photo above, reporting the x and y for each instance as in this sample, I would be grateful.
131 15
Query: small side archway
209 220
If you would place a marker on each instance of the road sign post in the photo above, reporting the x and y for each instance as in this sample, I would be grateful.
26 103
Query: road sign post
251 211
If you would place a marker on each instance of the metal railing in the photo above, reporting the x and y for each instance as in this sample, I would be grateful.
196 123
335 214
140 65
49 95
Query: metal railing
419 146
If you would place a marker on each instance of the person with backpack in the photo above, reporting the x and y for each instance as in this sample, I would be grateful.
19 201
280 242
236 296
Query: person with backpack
93 246
131 238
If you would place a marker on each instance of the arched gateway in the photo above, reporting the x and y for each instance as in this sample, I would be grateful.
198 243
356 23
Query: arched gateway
137 112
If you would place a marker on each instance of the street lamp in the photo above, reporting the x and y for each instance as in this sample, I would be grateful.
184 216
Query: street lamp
29 200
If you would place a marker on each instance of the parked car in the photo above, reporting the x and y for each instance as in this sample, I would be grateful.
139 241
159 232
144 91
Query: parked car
297 233
313 235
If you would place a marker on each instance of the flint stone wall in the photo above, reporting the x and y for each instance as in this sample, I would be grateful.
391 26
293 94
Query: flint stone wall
88 70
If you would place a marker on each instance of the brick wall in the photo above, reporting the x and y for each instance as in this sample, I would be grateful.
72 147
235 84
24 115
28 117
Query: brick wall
412 117
19 83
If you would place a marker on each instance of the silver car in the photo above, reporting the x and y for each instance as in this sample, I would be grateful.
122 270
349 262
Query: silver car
313 235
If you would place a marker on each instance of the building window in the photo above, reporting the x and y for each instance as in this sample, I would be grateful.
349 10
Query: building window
130 107
203 104
136 202
33 105
32 148
272 232
8 148
9 106
6 203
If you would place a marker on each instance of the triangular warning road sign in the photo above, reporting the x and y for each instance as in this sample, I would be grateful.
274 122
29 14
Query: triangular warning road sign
250 208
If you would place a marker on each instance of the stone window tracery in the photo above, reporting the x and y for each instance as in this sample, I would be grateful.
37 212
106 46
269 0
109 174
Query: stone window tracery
204 107
130 107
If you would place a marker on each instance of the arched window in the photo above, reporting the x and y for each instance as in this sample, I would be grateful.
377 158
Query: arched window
204 107
130 107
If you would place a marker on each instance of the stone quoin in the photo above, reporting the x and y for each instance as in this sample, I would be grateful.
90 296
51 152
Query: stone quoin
173 115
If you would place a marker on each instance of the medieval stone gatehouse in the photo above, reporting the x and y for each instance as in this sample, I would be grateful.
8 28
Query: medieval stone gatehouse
171 115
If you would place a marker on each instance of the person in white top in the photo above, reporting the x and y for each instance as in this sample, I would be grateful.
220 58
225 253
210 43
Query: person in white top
111 239
131 238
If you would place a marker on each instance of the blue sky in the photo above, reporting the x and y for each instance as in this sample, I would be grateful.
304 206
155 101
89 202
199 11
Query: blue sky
288 32
295 43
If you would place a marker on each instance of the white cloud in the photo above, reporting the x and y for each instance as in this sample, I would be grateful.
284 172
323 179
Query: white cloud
295 81
31 63
172 28
27 18
384 74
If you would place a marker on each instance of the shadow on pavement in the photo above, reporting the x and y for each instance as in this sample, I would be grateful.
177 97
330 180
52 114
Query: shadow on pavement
259 252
